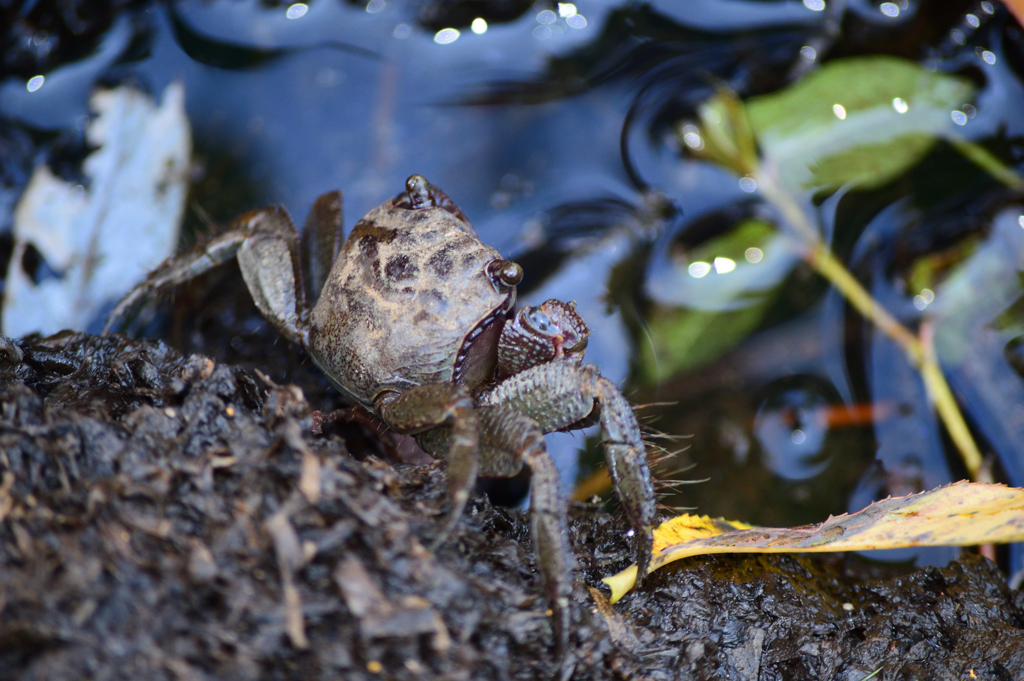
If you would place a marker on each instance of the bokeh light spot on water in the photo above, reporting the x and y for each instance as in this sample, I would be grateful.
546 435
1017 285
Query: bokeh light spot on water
753 255
402 31
959 117
957 36
698 269
1021 221
479 26
924 298
900 105
972 21
297 10
542 32
547 17
446 36
987 57
34 83
375 6
840 111
692 138
815 5
723 265
889 9
808 53
576 21
748 184
566 9
988 7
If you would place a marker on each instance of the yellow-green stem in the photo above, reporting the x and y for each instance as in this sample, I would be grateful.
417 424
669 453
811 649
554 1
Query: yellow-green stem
920 354
945 404
984 159
821 259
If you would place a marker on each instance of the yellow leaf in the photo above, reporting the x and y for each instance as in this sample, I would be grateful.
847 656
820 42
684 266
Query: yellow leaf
685 528
960 514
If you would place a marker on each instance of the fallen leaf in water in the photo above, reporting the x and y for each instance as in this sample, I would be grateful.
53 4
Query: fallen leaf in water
78 248
960 514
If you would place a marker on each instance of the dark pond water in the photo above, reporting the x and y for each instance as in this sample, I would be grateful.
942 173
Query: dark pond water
556 128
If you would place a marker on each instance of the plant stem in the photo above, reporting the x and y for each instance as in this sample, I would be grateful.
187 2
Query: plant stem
920 354
984 159
827 265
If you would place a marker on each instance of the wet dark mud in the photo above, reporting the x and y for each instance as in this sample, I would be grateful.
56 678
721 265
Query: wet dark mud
173 517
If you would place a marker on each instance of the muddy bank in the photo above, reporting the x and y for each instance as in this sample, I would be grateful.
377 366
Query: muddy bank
173 517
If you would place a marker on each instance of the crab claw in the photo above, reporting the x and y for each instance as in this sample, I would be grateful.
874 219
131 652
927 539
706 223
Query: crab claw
539 334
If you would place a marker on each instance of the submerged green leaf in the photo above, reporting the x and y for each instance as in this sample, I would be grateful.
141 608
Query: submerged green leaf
728 139
860 121
708 301
975 296
682 338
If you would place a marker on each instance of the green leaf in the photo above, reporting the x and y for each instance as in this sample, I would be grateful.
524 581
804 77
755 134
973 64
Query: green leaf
869 165
697 317
682 339
727 137
892 112
974 298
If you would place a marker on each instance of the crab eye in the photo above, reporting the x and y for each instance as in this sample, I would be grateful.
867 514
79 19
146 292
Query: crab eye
510 273
504 273
418 190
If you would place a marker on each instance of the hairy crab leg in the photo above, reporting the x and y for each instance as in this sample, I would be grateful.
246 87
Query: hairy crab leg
425 407
176 270
265 242
549 526
508 440
561 394
627 462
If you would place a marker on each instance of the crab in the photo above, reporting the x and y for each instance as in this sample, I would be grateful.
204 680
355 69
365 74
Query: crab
415 320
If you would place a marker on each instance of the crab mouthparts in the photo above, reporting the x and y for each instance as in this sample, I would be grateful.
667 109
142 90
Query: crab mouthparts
478 355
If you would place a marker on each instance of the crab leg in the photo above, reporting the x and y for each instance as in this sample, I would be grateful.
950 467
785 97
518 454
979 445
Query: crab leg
549 527
508 440
627 462
321 241
177 270
425 407
560 394
266 245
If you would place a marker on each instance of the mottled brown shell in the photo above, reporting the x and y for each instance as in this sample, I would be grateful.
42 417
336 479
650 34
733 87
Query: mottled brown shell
407 288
